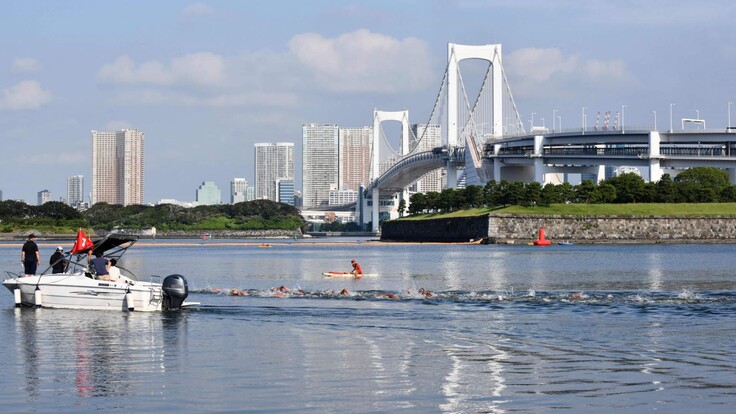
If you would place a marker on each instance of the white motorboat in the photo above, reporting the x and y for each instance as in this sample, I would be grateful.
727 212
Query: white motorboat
79 288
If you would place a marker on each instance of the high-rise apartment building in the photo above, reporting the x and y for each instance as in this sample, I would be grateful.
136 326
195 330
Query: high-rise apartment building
237 190
117 167
208 193
44 196
75 190
423 138
320 156
273 162
355 157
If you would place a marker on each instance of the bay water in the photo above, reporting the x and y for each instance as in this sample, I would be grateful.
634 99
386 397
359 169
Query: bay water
507 328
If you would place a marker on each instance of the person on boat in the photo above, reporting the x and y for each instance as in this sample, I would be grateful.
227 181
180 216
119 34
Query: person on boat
112 270
29 256
57 262
357 271
99 264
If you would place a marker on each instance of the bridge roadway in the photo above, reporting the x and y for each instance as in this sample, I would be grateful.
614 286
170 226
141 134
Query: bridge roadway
530 157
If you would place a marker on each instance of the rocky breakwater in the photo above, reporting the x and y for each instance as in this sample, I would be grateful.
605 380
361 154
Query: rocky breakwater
609 229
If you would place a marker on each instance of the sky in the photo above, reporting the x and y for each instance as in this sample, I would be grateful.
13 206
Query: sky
205 80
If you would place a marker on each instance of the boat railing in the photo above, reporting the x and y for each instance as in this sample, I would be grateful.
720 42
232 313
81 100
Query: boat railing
12 275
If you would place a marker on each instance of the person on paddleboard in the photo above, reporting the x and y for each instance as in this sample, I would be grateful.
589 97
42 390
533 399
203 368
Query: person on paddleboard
357 271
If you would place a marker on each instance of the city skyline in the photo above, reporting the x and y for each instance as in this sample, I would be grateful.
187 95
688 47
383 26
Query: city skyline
207 80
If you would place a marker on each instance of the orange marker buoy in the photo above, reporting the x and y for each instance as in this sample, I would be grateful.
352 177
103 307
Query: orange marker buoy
542 241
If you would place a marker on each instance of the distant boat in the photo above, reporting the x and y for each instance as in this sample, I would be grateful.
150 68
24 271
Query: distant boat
565 243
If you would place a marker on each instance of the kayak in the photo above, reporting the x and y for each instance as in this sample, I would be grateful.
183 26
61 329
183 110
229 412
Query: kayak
347 275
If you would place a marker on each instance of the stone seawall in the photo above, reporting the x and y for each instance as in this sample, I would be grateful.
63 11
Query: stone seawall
518 228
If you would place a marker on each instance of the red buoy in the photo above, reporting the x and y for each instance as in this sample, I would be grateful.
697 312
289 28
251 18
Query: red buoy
542 241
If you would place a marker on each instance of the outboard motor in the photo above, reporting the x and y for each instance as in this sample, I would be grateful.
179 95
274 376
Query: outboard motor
175 290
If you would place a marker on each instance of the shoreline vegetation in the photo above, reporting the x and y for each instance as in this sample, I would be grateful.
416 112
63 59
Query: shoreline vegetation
595 210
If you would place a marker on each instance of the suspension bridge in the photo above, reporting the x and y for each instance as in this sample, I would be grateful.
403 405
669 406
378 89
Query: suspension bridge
484 137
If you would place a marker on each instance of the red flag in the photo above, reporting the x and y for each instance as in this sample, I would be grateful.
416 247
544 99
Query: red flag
83 243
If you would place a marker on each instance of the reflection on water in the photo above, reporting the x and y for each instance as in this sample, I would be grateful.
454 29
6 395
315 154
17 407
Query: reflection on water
507 329
98 354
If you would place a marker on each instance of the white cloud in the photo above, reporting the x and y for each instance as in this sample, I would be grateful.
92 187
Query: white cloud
230 100
203 68
27 94
25 65
540 72
363 61
198 9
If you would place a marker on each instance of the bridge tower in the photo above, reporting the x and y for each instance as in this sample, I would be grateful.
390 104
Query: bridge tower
378 118
455 54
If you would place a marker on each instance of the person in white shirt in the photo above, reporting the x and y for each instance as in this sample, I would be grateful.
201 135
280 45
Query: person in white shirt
115 274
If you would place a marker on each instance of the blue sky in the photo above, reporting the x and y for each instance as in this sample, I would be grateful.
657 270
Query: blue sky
206 80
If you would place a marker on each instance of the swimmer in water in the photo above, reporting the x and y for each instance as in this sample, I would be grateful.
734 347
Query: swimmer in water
344 292
425 293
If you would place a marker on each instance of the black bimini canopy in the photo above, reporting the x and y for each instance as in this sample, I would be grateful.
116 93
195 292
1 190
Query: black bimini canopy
112 241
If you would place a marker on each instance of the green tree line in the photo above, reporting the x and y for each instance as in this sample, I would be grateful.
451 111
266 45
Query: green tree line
251 215
695 185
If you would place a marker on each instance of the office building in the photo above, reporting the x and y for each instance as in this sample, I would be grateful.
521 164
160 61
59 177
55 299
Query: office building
320 156
272 162
117 167
250 193
355 157
237 190
423 138
75 190
44 196
342 197
285 191
208 194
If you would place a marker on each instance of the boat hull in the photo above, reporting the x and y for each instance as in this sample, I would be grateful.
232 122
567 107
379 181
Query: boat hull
81 292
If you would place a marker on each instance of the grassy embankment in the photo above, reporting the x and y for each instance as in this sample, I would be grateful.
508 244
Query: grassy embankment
620 210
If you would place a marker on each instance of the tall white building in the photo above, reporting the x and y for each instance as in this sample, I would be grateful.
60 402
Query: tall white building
237 190
355 157
208 193
423 138
320 156
75 190
273 162
44 196
117 167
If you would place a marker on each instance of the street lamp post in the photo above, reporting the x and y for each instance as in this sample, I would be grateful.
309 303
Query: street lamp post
671 105
729 115
583 120
559 122
543 126
655 120
623 128
554 116
532 121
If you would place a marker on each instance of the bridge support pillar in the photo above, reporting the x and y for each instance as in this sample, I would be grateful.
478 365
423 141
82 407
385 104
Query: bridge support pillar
539 170
497 170
375 210
451 175
731 175
601 175
655 171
